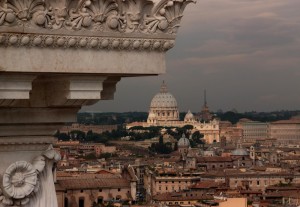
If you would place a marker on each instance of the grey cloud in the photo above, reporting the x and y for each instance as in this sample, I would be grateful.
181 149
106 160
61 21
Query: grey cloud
244 52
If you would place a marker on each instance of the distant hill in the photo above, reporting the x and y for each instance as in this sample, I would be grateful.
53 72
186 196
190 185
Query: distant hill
109 118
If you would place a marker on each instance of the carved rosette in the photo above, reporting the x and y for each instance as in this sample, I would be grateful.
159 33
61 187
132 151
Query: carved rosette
21 179
99 23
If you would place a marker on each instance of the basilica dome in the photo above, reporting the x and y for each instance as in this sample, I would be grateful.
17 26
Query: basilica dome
189 117
163 108
163 99
183 142
239 152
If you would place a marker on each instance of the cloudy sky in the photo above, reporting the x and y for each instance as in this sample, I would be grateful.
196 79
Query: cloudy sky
246 53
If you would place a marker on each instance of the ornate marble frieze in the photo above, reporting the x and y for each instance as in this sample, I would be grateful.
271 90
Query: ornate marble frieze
99 24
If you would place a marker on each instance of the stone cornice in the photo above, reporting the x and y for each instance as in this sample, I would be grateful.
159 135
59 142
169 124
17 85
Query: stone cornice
111 24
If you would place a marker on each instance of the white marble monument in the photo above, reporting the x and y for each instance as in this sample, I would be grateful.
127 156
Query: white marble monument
58 55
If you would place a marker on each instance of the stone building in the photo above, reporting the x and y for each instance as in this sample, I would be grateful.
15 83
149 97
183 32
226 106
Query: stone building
268 154
158 184
188 198
210 130
96 148
286 131
86 128
251 180
85 190
232 133
214 163
240 157
183 145
260 181
253 130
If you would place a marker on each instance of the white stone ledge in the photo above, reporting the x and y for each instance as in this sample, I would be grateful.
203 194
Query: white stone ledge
49 60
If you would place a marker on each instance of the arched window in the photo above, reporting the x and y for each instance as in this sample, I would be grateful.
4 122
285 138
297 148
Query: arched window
100 200
66 202
81 202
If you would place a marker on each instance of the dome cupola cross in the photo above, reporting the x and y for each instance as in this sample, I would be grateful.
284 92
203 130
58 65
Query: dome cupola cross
163 88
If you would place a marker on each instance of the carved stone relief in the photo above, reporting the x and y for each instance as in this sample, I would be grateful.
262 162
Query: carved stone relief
125 16
21 180
94 19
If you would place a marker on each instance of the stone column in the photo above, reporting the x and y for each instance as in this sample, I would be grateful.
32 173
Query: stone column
55 57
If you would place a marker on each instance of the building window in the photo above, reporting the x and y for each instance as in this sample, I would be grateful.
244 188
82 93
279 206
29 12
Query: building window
100 200
100 190
257 182
66 202
119 189
166 188
81 191
81 202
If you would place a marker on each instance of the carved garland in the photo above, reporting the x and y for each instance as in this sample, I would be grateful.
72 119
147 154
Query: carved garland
20 180
125 16
56 41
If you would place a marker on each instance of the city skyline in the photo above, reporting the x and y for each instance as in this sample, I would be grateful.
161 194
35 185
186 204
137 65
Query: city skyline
244 53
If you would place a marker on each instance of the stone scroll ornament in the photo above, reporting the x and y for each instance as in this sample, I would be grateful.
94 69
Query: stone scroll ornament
104 24
22 181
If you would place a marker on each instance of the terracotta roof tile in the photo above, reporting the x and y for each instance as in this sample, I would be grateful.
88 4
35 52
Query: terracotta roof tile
79 183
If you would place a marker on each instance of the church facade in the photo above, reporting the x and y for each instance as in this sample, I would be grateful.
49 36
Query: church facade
164 112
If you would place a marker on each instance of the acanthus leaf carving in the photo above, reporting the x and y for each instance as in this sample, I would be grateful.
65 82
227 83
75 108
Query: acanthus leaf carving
79 17
7 15
24 9
134 11
125 16
167 15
